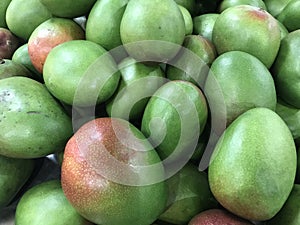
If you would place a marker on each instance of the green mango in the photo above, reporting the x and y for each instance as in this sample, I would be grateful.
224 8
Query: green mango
250 29
203 25
193 61
253 166
3 7
244 83
188 20
22 17
13 175
21 56
112 175
174 118
192 195
286 69
32 122
138 83
9 68
81 73
290 212
190 5
276 6
106 15
283 30
155 32
225 4
45 203
291 117
68 8
290 15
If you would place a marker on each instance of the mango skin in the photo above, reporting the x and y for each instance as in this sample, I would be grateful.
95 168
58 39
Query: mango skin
249 29
33 124
229 3
174 118
253 166
290 212
9 68
103 194
159 23
290 15
3 6
286 69
13 175
46 204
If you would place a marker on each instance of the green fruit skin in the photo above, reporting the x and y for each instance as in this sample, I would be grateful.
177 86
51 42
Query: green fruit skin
290 115
106 16
244 81
46 204
159 22
180 113
283 30
192 195
290 15
276 6
21 56
190 5
33 13
188 20
192 63
290 213
225 4
139 80
68 8
9 68
32 122
286 69
249 29
253 166
203 25
104 201
13 175
3 7
71 73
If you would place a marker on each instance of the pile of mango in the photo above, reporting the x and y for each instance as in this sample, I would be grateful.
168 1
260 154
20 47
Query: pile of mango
156 112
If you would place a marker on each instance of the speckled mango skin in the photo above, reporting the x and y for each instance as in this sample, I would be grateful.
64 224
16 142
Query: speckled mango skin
99 199
32 122
249 29
253 166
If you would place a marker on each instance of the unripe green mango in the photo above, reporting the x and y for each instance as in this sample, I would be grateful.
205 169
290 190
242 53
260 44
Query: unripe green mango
249 29
286 69
225 4
253 166
9 68
174 118
3 6
152 30
244 82
290 15
32 122
191 195
138 83
276 6
188 21
290 212
46 204
13 175
204 24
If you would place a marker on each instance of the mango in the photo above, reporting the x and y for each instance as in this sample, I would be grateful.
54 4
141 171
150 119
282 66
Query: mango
155 32
203 25
173 120
9 68
286 69
253 166
275 7
188 21
81 73
290 15
45 203
33 124
249 29
225 4
14 173
244 82
3 6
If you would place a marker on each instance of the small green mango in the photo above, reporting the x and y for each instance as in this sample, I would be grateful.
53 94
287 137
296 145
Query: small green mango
174 118
9 68
204 24
290 15
192 195
253 166
3 6
225 4
276 6
33 124
13 175
46 204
